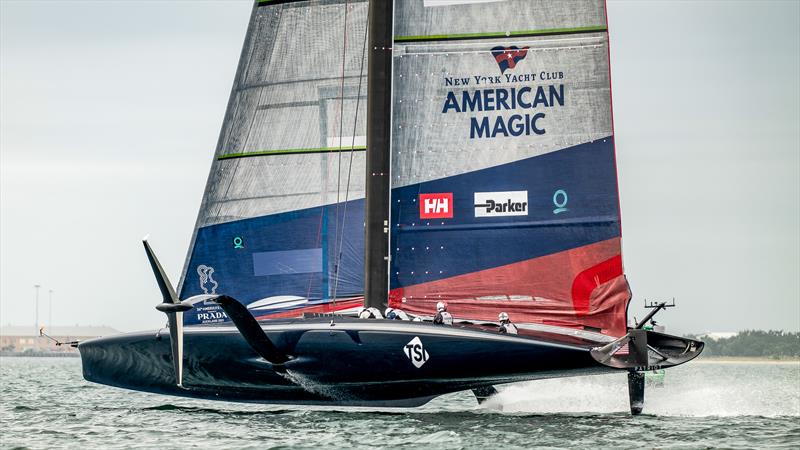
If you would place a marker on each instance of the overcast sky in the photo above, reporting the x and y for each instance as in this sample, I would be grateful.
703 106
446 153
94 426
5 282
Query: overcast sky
110 112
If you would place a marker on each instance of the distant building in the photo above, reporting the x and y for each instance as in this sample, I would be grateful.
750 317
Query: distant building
16 339
717 335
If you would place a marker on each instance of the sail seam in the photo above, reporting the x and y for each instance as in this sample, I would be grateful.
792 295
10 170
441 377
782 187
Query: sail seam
280 83
260 3
339 156
601 221
291 151
500 34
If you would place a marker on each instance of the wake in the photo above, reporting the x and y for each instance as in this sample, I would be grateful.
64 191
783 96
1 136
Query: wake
697 389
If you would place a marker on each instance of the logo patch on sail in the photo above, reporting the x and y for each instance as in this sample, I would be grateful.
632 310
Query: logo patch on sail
498 204
207 282
508 57
436 206
416 352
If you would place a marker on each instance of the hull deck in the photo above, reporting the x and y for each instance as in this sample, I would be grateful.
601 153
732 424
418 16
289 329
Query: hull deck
350 362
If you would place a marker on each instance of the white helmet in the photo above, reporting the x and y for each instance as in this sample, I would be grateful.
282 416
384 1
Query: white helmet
441 306
360 310
387 311
502 317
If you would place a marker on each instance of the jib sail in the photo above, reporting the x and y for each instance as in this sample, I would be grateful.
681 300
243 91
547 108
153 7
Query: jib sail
504 185
280 227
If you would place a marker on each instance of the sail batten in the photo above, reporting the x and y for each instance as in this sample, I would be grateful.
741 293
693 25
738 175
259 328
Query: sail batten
292 151
500 34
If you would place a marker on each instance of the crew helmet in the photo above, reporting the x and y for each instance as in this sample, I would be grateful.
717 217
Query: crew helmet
503 316
441 306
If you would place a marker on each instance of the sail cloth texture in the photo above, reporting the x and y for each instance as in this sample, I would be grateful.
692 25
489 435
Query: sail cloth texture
504 183
272 223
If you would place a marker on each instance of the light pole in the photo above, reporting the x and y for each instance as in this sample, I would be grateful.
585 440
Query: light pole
36 324
50 314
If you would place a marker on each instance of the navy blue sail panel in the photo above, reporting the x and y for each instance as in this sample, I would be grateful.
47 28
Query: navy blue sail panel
537 238
289 257
565 200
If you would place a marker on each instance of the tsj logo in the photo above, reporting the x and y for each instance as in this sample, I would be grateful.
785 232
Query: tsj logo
508 57
436 206
416 352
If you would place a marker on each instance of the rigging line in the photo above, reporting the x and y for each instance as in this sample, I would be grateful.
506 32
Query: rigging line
338 259
339 158
319 235
337 230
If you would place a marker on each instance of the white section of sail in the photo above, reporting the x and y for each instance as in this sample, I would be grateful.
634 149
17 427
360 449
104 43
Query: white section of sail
416 18
436 138
292 97
277 302
347 141
435 3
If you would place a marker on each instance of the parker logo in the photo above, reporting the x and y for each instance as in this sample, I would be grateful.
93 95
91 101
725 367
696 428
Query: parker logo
497 204
508 57
436 206
416 352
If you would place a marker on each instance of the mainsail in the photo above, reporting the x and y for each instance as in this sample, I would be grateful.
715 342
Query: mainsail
281 222
503 175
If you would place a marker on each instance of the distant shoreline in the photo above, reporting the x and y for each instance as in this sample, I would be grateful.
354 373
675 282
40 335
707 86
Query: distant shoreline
746 359
39 354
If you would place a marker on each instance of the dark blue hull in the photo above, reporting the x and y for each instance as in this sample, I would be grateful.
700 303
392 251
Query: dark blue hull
354 362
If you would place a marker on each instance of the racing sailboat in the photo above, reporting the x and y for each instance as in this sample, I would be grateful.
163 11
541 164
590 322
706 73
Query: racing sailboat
402 154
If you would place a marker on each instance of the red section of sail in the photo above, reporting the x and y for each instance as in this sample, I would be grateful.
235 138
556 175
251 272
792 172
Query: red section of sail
323 308
590 279
582 288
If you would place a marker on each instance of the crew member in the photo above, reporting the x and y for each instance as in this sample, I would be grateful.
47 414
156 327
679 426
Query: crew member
505 324
396 314
369 313
442 317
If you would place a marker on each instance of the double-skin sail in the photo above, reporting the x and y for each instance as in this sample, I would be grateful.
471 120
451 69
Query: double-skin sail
504 187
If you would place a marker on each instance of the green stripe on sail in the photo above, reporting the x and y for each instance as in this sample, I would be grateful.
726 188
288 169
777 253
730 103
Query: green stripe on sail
500 34
266 2
292 151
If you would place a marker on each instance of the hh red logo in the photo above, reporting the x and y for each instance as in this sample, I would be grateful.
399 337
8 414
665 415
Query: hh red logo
436 206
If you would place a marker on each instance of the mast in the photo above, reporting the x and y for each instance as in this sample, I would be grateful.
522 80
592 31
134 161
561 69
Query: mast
379 110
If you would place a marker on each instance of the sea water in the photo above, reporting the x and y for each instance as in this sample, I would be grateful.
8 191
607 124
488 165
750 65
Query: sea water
45 403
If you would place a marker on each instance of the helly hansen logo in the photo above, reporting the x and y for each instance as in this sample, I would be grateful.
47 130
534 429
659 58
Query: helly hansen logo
416 352
508 57
497 204
436 206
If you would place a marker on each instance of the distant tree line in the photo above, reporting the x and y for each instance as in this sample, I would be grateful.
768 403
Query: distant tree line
769 344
